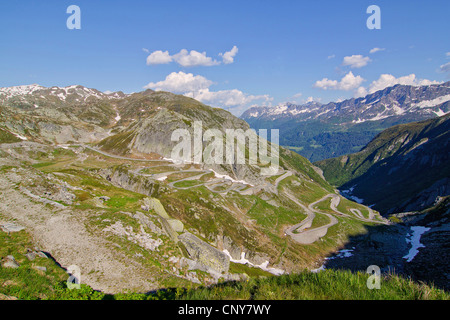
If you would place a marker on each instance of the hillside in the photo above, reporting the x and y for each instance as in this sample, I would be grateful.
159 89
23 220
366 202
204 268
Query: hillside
89 176
416 246
404 168
321 131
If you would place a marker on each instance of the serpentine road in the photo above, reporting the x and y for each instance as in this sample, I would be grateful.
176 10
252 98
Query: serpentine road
299 232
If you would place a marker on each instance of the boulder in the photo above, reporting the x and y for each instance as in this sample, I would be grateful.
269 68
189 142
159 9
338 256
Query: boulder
204 253
156 205
31 255
10 262
6 297
176 225
11 227
43 269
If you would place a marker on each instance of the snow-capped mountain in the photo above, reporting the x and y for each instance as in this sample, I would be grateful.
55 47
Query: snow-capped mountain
74 93
283 110
399 100
320 131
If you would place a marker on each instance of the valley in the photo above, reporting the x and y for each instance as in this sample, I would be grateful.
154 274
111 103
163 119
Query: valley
237 151
107 197
93 184
111 206
321 131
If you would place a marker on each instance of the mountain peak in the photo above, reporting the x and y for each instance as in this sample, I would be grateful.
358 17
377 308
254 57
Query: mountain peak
336 128
76 93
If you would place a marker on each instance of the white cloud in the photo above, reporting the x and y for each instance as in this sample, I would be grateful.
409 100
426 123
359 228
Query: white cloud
360 92
356 61
326 84
331 56
193 59
312 99
388 80
159 57
376 50
447 54
228 98
228 57
294 98
348 82
197 87
180 83
445 68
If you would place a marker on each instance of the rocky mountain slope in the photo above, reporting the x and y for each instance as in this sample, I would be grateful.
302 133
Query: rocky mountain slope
404 168
320 131
89 176
416 246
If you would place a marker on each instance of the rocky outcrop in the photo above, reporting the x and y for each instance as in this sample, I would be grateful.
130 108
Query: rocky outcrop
236 252
10 262
121 177
67 133
426 198
388 247
172 226
11 227
141 237
204 253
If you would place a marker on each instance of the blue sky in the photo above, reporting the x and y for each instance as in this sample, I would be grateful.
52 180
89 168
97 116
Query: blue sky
283 50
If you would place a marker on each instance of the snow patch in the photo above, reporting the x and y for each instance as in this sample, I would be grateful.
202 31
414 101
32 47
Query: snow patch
348 194
296 111
19 136
440 113
414 239
358 121
321 268
378 117
20 90
356 199
278 109
431 103
226 177
343 253
263 266
398 110
61 96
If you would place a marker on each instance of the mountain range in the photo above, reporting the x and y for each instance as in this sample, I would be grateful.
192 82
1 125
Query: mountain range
89 177
320 131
